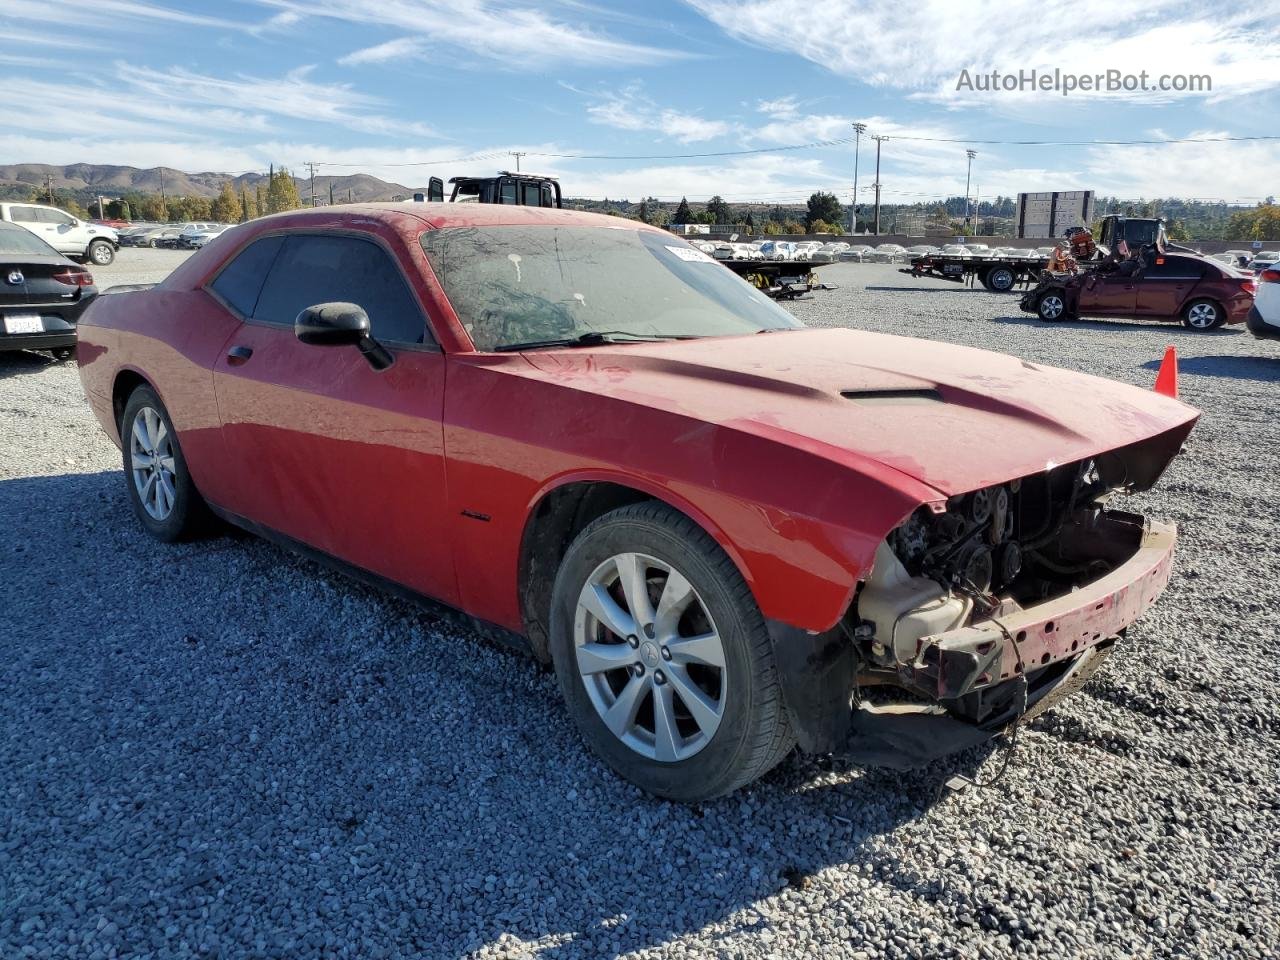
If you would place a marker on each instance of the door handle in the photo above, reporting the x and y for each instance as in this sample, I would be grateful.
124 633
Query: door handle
239 354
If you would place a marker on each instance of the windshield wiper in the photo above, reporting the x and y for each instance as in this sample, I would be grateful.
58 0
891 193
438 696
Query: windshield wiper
592 338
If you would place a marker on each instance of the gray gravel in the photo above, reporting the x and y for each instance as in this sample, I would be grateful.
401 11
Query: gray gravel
221 750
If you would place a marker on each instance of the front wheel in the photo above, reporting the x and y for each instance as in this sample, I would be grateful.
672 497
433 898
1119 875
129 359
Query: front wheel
163 495
1051 306
101 252
663 656
1203 315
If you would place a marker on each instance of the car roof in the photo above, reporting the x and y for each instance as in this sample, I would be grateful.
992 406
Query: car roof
441 216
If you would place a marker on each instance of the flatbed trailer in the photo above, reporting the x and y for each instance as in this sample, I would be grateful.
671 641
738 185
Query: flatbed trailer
998 274
780 279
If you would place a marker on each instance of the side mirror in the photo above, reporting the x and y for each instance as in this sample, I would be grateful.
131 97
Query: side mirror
341 325
435 190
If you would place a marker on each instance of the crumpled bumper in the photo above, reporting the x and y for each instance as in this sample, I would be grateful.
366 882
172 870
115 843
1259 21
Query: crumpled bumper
968 682
952 665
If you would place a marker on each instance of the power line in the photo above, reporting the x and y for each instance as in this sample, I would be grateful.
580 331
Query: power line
811 145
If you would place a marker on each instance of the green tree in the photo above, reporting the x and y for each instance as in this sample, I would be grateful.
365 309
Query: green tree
683 213
719 210
749 223
248 206
259 201
772 228
821 226
644 211
825 207
153 208
282 193
226 208
119 210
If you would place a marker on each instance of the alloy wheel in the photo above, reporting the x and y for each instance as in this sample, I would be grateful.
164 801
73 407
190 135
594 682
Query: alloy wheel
152 464
1051 307
1202 316
650 657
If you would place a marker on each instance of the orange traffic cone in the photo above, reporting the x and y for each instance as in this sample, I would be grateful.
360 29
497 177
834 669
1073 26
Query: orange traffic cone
1167 378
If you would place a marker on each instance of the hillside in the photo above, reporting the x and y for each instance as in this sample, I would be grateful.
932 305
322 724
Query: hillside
86 180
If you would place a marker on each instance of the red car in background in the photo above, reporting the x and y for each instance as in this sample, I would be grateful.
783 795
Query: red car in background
1202 293
591 437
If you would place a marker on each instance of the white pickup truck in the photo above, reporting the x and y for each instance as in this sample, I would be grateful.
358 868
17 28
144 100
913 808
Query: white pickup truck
75 238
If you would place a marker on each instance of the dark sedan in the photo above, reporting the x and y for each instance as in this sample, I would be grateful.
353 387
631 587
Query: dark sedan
42 294
1154 286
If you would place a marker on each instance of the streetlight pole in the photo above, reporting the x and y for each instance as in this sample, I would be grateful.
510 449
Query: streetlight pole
970 154
876 228
858 130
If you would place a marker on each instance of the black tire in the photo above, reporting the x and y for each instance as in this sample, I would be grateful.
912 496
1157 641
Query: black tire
1000 279
754 733
100 253
153 244
1052 306
189 516
1202 315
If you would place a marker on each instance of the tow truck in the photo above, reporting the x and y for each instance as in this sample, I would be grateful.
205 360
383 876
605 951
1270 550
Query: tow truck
521 189
1002 274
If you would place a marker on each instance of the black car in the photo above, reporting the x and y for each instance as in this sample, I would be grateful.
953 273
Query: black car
42 294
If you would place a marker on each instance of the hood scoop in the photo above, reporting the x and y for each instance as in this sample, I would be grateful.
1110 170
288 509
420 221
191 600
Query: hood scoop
897 398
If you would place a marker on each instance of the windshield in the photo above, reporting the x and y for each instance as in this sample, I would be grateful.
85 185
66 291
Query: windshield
19 241
523 284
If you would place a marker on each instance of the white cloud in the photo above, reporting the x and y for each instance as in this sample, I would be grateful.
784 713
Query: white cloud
630 109
398 49
925 48
294 95
108 14
512 34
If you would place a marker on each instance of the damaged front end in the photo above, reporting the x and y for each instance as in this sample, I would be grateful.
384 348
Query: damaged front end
984 608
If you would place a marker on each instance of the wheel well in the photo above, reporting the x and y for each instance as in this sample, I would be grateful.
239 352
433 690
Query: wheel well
555 521
126 382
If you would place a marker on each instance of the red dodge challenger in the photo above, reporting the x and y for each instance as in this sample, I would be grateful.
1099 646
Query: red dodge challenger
729 534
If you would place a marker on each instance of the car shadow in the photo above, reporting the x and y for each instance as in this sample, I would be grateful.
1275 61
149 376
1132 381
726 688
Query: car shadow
252 678
1266 369
957 288
1155 329
15 363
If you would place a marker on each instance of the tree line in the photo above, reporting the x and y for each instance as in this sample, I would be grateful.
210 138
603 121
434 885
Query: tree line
277 194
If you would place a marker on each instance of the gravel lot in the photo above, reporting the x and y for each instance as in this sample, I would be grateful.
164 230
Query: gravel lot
221 750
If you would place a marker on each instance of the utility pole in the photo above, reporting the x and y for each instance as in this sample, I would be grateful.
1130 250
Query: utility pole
858 130
968 173
48 188
518 154
312 167
878 140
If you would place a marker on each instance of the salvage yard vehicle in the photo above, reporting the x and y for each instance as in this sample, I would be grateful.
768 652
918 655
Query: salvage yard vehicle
518 189
1197 290
70 236
1264 316
42 294
720 527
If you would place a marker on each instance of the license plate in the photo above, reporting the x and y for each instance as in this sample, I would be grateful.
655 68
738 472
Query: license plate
952 268
23 323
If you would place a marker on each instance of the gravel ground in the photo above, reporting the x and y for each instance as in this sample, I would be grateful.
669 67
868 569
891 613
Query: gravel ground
221 750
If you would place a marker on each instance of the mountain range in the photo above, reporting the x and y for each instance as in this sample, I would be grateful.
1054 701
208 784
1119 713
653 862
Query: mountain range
89 179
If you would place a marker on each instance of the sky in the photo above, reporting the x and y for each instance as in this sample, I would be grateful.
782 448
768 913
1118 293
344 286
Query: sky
614 97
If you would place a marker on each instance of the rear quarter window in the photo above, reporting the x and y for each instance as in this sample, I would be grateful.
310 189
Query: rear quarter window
239 283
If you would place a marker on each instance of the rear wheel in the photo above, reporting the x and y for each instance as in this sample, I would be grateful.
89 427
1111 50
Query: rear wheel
663 656
1051 306
163 495
1203 315
1000 279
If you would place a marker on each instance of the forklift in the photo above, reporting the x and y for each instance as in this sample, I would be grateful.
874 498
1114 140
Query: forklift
521 189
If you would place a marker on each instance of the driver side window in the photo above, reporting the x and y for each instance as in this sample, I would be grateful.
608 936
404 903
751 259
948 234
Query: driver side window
316 268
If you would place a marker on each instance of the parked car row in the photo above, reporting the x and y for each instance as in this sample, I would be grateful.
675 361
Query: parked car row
171 236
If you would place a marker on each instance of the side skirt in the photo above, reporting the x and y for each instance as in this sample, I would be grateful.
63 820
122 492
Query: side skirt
430 605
